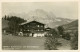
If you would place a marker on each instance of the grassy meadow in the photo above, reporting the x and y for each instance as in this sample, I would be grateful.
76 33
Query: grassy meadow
20 42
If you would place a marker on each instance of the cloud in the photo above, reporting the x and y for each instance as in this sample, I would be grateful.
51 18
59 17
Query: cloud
60 9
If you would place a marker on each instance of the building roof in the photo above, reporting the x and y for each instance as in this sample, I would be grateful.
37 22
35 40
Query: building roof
48 28
31 22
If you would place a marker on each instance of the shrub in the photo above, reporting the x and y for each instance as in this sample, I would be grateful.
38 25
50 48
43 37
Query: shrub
51 40
74 41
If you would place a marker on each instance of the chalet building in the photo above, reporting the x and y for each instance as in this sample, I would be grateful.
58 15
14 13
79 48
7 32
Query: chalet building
32 28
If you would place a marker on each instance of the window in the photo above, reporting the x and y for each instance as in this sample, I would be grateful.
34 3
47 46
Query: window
41 25
41 29
24 30
27 25
38 30
20 29
38 26
28 30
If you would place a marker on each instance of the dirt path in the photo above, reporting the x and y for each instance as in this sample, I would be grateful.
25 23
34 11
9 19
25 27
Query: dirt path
65 44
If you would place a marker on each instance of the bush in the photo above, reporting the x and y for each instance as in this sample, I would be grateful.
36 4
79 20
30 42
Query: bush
60 30
51 44
66 36
74 41
51 40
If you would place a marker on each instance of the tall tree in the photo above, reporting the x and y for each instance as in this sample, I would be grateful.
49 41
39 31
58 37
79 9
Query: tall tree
61 30
5 17
14 22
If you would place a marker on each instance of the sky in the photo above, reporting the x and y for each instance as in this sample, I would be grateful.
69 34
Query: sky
59 9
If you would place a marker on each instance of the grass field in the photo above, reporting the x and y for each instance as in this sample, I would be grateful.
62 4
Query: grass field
30 42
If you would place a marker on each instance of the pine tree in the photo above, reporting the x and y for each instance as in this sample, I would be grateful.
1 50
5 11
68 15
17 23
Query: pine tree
14 22
5 17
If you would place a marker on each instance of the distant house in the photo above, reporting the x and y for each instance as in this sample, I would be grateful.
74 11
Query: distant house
48 29
32 28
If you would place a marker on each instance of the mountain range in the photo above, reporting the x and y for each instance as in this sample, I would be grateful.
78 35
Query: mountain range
43 16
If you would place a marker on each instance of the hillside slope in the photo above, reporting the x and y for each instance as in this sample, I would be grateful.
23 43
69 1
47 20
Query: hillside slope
71 26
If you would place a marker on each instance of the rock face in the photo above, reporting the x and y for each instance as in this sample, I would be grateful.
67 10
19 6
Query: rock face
45 17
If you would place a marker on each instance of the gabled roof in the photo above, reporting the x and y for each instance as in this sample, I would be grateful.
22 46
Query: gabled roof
31 22
48 28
